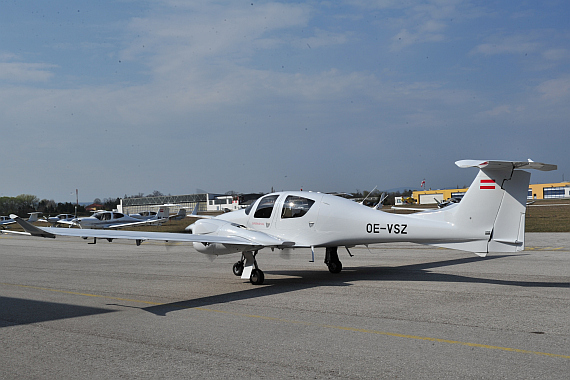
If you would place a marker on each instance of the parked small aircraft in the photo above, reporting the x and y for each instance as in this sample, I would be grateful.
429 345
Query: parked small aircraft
58 219
143 215
489 218
111 219
163 213
5 220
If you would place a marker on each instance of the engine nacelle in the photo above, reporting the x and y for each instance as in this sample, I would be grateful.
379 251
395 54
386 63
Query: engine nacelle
217 248
238 238
216 227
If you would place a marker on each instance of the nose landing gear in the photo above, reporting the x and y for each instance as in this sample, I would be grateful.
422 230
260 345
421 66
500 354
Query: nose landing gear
246 265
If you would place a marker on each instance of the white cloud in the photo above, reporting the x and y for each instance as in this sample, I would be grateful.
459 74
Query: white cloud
508 45
557 90
499 110
425 21
560 54
18 72
184 38
323 38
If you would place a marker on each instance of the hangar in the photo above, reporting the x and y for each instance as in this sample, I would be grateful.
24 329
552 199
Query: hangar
207 202
535 191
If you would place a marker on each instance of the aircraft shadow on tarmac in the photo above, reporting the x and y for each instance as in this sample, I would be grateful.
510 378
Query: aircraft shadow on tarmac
306 279
18 311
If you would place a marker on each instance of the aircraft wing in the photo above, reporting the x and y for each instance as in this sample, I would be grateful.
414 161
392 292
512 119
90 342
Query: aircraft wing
69 223
142 222
255 239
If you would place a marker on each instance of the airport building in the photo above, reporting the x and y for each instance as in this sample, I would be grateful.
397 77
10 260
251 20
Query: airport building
206 202
535 191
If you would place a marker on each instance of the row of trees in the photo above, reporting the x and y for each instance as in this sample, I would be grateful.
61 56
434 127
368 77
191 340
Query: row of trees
25 203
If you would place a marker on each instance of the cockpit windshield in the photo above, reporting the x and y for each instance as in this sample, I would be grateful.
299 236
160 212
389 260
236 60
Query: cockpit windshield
295 207
102 215
265 207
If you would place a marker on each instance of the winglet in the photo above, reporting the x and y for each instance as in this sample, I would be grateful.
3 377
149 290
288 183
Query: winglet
30 228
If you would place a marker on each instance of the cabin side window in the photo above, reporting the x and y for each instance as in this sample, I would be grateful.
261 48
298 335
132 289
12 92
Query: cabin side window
295 207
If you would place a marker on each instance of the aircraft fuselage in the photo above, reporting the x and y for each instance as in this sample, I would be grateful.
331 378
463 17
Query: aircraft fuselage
318 220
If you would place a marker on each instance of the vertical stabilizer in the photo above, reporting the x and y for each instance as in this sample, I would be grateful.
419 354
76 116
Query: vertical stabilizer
491 215
163 212
508 229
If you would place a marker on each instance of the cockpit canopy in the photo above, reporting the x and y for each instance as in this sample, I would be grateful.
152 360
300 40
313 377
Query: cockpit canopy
108 215
293 207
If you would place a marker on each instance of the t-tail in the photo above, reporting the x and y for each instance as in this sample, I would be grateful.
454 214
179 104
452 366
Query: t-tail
491 215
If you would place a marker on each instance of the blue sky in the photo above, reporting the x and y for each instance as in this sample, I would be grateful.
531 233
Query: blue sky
122 97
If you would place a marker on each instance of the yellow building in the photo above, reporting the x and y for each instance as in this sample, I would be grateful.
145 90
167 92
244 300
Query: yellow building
424 197
535 191
549 190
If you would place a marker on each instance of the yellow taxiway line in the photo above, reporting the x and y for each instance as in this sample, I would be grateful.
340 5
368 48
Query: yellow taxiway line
344 328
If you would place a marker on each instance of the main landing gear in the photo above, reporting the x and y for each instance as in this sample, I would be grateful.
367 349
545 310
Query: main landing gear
248 260
256 276
332 261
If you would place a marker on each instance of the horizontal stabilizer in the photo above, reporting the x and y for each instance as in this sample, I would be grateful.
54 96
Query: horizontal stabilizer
497 165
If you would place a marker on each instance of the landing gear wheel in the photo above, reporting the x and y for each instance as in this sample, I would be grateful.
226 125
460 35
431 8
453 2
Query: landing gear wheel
257 277
238 268
335 266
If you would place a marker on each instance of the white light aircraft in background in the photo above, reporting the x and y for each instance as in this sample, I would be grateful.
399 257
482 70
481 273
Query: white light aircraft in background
58 219
6 220
163 212
111 219
143 215
489 218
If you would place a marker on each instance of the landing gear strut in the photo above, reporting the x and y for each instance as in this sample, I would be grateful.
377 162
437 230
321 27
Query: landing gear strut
332 261
248 260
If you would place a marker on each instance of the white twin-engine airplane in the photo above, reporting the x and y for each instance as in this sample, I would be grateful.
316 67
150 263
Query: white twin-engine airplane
111 219
489 218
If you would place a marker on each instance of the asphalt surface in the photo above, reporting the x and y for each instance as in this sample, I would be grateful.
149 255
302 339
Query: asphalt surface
114 310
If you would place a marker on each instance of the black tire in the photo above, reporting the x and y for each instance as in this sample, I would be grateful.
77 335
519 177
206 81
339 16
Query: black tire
257 277
335 266
238 268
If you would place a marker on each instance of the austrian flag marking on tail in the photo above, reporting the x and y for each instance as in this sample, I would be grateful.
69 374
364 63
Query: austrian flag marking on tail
487 184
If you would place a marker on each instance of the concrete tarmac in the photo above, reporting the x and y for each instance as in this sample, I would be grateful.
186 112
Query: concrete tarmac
114 310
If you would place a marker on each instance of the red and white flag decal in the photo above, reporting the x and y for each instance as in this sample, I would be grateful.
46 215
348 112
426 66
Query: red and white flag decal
487 184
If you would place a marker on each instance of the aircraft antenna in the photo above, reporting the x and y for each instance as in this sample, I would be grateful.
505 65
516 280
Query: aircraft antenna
367 195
